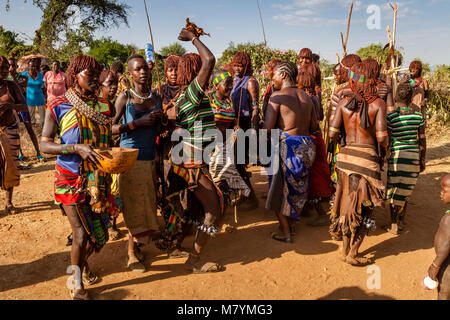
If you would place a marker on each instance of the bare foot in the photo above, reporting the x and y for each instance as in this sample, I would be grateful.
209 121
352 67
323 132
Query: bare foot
360 261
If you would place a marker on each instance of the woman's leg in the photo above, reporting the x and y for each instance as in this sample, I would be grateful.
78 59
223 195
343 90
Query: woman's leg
41 110
32 111
79 242
207 196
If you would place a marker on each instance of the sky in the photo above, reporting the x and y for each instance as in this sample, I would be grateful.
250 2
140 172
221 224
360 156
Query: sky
423 27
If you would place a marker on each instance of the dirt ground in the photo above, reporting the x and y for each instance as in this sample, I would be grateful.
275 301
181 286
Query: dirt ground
34 258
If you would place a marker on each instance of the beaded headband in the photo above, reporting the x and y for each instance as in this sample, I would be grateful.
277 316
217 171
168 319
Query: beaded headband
221 77
357 77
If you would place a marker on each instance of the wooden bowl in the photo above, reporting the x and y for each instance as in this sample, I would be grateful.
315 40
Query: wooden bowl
117 160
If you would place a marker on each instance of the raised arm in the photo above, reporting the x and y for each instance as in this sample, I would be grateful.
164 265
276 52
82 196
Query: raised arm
208 60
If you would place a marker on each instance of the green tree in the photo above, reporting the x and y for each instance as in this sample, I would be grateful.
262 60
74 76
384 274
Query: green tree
61 17
259 54
11 45
377 52
106 50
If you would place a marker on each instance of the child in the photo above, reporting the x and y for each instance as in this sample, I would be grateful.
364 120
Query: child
109 83
439 271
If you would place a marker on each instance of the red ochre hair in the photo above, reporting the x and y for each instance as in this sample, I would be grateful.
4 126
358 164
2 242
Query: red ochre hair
188 68
79 64
244 59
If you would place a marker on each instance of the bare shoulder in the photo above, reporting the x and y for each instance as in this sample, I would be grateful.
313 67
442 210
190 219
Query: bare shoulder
121 99
275 94
343 101
378 104
445 222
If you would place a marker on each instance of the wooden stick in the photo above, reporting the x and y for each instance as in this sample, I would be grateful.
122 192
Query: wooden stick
348 26
262 23
343 45
394 58
153 45
327 120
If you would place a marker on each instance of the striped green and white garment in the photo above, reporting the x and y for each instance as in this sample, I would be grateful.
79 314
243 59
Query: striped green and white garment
405 129
404 160
194 113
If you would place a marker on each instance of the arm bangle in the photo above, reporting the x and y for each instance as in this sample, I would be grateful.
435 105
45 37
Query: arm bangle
68 148
381 134
194 39
332 129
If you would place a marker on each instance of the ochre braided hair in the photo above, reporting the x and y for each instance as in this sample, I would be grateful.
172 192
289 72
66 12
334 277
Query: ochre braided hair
188 68
171 62
312 69
363 90
374 68
307 82
243 58
305 53
79 64
348 61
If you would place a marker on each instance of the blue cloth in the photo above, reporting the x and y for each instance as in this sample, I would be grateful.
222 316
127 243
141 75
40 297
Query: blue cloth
35 95
240 84
143 138
297 158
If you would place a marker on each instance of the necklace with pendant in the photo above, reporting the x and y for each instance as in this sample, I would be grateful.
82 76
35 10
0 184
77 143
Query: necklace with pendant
140 97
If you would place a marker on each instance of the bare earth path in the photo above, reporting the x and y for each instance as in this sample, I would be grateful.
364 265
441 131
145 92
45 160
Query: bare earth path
34 258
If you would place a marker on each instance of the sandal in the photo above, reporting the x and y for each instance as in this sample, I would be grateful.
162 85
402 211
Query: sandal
41 158
79 295
275 236
208 267
134 263
89 278
11 209
114 234
177 253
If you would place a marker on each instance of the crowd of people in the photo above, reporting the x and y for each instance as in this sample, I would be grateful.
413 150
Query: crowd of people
337 175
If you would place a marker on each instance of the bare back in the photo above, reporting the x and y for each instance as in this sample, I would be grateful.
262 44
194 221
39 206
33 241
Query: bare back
292 111
351 120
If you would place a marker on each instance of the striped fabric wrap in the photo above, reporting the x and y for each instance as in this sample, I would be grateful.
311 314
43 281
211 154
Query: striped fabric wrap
405 128
222 167
363 160
404 169
98 182
191 176
359 186
96 225
194 114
